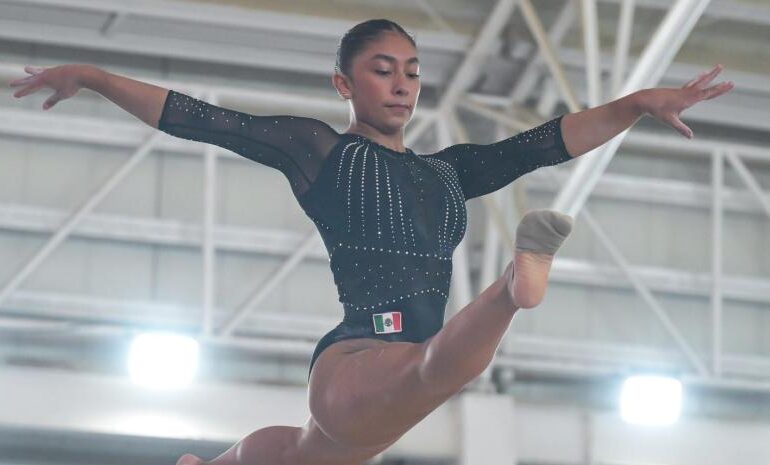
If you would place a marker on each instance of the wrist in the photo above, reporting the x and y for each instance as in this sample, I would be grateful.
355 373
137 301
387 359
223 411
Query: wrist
91 77
639 100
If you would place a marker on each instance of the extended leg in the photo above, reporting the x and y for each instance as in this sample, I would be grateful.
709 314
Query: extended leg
376 395
468 341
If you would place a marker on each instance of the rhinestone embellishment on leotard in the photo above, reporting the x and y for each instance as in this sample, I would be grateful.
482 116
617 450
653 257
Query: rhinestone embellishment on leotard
371 198
390 220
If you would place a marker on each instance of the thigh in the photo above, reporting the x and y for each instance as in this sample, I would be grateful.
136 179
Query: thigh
314 447
374 395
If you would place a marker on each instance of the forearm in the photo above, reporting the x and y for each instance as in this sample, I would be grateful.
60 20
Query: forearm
585 130
143 100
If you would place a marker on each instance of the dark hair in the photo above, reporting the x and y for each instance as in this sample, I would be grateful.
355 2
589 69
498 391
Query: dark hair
359 36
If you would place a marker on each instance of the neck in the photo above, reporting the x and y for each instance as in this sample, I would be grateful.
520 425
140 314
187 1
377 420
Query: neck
394 141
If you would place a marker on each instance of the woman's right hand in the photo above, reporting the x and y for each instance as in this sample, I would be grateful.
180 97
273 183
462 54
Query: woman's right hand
65 80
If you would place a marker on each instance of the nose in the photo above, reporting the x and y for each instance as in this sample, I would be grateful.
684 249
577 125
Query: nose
400 87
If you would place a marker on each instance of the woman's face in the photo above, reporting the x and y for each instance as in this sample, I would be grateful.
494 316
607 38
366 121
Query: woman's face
385 84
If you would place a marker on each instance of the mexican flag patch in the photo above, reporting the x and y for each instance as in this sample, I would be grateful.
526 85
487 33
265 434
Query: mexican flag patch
385 323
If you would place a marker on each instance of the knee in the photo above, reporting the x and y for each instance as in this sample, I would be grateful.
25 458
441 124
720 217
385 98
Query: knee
269 445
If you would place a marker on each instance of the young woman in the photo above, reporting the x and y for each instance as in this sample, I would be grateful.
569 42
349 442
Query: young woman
390 220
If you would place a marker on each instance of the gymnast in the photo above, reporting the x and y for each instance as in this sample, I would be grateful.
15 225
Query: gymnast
390 219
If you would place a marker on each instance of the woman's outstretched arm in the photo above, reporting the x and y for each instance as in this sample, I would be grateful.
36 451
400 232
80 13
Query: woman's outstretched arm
143 100
585 130
294 145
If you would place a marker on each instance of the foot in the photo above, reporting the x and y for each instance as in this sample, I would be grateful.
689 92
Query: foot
538 236
189 459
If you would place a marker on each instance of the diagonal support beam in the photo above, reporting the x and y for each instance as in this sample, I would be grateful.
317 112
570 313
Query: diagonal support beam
592 50
468 71
469 68
549 54
663 46
632 276
260 293
749 180
622 44
645 293
559 29
70 224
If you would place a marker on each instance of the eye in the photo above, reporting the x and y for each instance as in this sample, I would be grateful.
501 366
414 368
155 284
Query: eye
414 76
381 72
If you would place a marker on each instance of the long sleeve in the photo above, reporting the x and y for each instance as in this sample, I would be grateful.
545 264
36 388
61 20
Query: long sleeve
486 168
294 145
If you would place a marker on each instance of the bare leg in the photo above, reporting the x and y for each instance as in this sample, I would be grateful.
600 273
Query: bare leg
458 353
409 380
466 345
266 446
288 445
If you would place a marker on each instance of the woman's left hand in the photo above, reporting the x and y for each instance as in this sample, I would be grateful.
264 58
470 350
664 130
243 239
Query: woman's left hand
666 104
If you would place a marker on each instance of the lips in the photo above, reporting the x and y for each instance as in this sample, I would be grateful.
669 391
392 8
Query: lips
406 107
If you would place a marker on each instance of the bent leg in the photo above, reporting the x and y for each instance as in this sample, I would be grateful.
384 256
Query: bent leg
376 395
272 445
466 344
314 447
288 445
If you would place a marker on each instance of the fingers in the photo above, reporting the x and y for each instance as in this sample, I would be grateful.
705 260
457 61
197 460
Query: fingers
51 101
717 90
34 69
681 127
21 81
694 80
32 88
705 77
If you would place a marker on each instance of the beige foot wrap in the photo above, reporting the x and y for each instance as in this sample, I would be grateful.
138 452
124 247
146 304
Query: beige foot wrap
543 231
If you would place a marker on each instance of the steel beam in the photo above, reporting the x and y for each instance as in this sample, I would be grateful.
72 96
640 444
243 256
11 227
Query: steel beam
208 246
622 43
592 48
471 63
461 286
529 77
92 201
657 56
717 183
274 279
549 54
645 293
749 180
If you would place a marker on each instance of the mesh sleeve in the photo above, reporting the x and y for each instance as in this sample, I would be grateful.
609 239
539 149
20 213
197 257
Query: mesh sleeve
486 168
294 145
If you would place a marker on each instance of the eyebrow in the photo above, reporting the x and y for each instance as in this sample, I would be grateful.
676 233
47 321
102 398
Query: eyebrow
382 56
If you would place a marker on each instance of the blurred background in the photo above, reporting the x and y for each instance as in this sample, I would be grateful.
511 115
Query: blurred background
161 296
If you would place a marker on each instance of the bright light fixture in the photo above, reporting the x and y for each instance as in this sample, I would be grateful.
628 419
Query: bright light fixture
163 360
651 400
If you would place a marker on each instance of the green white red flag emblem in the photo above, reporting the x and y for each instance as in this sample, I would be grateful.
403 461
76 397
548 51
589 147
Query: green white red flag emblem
385 323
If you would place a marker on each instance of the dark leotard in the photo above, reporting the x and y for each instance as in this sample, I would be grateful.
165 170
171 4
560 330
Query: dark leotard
390 220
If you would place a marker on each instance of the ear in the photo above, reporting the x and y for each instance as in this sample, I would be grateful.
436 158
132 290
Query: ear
340 82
